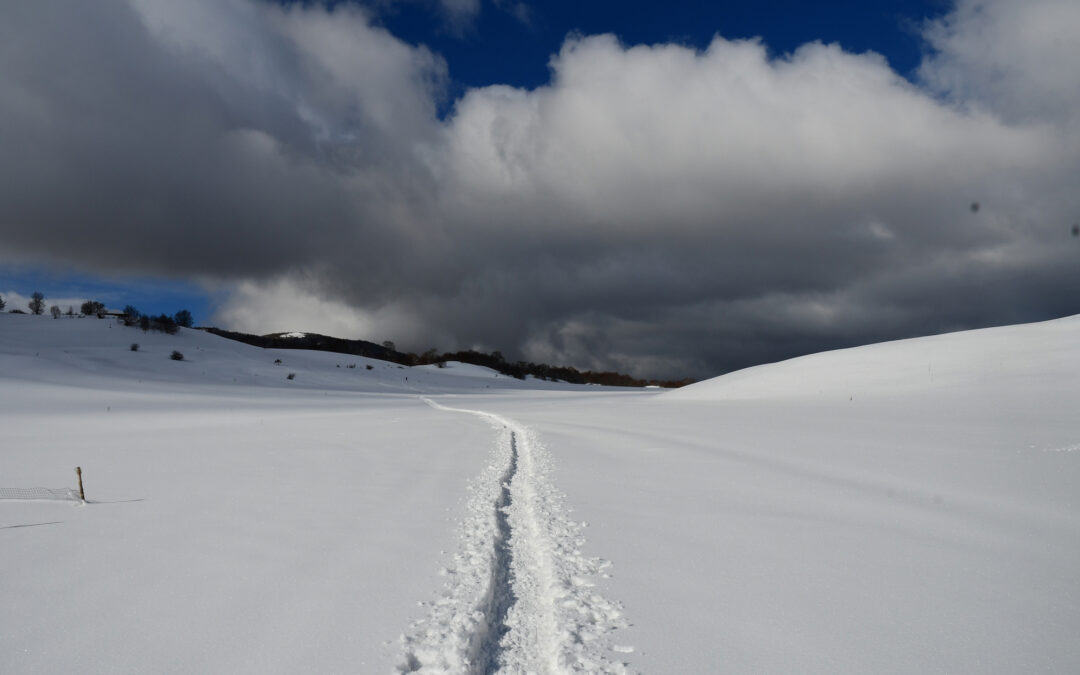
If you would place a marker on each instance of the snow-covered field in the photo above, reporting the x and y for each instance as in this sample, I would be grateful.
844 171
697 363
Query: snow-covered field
907 507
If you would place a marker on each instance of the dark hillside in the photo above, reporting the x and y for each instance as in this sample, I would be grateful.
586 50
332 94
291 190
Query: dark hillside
495 360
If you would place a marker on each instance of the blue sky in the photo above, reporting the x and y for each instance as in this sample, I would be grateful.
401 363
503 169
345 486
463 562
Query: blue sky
496 174
496 47
148 295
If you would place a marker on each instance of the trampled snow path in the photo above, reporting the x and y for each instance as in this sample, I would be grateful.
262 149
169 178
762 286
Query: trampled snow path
518 598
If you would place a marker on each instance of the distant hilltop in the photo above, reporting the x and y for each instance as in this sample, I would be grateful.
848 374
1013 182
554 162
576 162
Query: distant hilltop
494 360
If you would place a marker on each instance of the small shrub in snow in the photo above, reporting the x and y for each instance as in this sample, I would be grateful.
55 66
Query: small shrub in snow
134 346
351 365
176 356
277 362
290 376
369 367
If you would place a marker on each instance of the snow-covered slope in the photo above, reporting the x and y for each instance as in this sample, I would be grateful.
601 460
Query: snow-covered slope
242 521
908 507
97 352
847 512
1029 359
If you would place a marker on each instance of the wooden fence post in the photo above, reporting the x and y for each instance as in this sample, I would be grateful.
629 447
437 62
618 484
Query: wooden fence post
82 495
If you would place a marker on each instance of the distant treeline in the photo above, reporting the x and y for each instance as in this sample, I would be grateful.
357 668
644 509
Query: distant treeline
494 360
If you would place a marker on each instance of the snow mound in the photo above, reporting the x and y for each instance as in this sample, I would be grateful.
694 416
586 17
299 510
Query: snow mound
1023 360
462 369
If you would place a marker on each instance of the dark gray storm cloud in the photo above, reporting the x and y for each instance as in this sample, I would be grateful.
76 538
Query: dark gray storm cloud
654 209
228 139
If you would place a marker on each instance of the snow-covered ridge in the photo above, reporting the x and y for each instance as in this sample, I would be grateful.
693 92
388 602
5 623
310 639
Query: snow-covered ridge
69 350
1021 356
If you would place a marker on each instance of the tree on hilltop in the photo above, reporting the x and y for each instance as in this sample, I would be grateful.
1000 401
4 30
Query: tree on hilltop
164 323
183 318
93 308
37 302
131 315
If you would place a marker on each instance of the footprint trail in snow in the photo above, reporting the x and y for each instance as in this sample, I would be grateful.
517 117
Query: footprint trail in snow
518 597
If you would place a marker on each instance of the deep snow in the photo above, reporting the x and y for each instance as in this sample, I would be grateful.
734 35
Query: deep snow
906 507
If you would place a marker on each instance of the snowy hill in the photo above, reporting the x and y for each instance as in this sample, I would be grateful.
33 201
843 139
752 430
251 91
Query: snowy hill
96 352
908 507
1030 359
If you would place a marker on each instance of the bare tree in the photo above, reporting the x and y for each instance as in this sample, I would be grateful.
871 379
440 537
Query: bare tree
2 303
183 318
55 311
131 315
93 308
37 302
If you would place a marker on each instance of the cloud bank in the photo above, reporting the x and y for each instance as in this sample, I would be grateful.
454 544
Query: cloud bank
656 209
